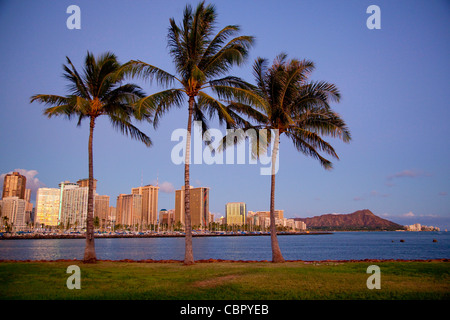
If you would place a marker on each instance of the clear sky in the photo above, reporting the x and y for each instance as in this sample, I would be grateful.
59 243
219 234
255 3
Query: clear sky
394 83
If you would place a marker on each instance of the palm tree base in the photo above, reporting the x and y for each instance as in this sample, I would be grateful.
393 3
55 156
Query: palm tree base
89 255
278 260
92 260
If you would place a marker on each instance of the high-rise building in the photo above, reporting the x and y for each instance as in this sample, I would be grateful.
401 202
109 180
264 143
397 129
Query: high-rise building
13 213
14 185
235 213
47 207
64 186
129 210
101 209
262 218
199 206
279 214
179 206
74 206
149 195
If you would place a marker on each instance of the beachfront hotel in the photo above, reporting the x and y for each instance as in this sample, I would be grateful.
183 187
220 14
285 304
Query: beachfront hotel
199 205
235 213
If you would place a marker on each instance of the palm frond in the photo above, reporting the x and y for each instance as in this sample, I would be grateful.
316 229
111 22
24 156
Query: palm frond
309 150
49 99
217 42
127 128
238 95
324 122
62 106
159 103
140 69
235 52
76 84
253 113
312 139
214 106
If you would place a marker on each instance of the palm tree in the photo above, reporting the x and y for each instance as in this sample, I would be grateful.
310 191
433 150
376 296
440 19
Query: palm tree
292 105
200 58
97 92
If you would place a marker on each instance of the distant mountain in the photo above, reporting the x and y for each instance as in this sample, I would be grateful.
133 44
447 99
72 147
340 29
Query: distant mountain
359 220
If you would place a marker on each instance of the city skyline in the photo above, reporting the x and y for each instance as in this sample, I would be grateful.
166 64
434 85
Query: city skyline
396 165
66 208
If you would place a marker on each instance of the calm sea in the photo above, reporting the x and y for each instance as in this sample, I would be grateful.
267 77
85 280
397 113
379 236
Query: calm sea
337 246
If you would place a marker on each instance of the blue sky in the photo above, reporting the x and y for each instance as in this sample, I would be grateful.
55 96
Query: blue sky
394 84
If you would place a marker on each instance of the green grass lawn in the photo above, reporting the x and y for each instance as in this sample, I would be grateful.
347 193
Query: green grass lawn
225 281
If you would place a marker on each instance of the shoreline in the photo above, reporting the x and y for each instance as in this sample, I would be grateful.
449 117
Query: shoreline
107 236
229 261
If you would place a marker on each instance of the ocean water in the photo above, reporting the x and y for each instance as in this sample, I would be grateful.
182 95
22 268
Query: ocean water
336 246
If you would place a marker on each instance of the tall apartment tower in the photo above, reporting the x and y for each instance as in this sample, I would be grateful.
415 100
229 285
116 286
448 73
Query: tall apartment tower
14 209
199 206
63 186
14 185
101 209
235 213
149 195
47 207
74 206
129 210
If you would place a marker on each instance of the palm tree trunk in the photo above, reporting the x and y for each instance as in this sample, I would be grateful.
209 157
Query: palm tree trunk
189 254
276 252
89 251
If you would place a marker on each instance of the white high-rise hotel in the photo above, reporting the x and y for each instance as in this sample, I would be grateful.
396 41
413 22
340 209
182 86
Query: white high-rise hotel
14 209
74 206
